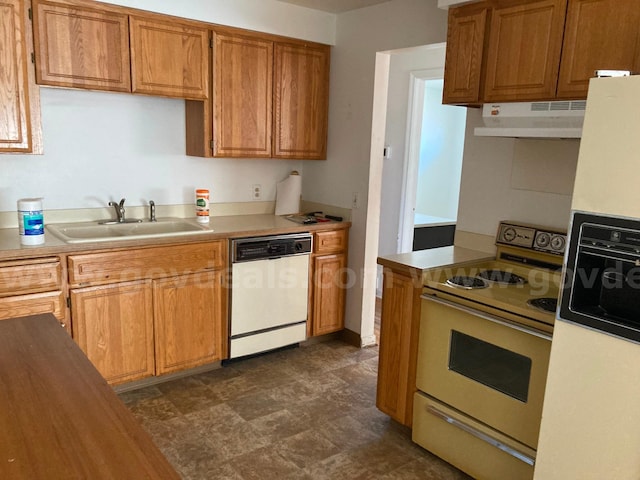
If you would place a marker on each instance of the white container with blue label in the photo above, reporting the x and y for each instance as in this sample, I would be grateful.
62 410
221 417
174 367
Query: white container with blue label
31 221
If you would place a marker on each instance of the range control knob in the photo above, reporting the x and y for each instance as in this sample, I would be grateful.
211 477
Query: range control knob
509 234
558 242
543 239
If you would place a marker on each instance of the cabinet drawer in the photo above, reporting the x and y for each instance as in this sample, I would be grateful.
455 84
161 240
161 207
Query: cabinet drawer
156 262
32 276
330 241
23 305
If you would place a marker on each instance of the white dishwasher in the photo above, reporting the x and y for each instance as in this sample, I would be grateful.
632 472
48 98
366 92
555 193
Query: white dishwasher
269 292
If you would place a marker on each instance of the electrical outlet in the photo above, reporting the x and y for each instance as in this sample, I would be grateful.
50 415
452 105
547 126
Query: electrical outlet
256 191
354 201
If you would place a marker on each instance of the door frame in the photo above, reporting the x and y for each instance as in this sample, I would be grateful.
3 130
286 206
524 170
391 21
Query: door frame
411 162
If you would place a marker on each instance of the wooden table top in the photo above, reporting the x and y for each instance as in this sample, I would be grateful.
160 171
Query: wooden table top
58 417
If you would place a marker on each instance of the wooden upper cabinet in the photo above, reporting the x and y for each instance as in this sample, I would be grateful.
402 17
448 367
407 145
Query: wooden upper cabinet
524 48
301 101
169 58
599 34
20 129
242 96
81 46
466 35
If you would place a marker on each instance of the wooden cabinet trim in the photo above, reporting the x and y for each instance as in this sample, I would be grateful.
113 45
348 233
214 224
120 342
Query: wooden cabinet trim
153 262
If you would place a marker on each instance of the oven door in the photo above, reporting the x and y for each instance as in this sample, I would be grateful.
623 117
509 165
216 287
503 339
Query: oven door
487 367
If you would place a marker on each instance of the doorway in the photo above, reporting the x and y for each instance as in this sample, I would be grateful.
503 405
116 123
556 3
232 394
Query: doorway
433 166
420 172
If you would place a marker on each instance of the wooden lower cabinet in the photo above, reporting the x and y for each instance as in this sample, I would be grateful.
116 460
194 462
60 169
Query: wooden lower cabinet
189 312
171 316
32 286
399 327
328 293
327 288
113 325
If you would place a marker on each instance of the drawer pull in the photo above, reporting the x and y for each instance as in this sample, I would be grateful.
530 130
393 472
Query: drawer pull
481 436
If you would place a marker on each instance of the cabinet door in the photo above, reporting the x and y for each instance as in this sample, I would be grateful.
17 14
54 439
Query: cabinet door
301 101
523 56
113 325
19 108
328 293
242 77
599 34
465 47
169 59
78 46
189 313
399 326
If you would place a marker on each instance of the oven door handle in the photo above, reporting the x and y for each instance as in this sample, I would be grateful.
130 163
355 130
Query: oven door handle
489 317
481 436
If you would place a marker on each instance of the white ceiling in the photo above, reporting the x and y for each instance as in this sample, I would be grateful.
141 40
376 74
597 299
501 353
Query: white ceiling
334 6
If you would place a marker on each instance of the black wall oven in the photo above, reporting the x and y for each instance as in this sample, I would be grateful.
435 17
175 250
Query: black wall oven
602 275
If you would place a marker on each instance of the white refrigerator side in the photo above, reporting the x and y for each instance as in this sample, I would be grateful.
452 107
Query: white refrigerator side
590 419
608 173
591 416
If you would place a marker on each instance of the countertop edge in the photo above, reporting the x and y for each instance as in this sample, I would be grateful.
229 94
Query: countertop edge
423 260
222 229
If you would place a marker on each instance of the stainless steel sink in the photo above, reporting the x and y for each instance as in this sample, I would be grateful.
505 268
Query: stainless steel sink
85 232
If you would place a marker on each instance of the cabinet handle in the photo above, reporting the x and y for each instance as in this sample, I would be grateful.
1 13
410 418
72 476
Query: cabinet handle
63 325
481 436
487 316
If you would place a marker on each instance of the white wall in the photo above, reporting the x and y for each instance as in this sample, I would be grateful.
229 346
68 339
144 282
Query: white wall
103 146
514 179
360 34
402 64
267 16
441 150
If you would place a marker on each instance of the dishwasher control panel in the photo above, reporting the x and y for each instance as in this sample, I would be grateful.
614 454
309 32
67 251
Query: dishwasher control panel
259 248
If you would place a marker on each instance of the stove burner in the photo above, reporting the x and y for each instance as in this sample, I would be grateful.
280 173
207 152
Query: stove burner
467 282
502 277
546 304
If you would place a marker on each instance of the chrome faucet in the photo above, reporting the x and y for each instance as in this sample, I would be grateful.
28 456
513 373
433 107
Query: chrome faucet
119 210
152 211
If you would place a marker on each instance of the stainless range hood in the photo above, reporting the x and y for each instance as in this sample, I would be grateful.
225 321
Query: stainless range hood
560 119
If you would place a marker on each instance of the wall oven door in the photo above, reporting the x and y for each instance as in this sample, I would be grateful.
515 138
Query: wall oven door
603 275
487 367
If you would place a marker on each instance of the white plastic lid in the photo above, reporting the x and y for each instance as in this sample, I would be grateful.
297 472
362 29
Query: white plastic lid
30 204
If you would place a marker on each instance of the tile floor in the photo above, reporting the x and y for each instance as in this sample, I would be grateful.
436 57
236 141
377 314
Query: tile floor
303 413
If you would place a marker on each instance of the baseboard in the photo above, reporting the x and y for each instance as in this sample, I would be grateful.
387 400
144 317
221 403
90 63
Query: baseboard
351 337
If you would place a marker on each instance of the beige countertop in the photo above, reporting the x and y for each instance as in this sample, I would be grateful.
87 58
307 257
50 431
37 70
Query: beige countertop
231 226
432 258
